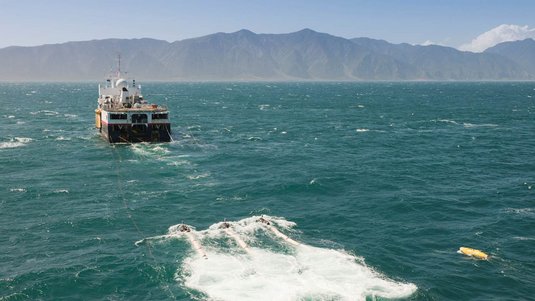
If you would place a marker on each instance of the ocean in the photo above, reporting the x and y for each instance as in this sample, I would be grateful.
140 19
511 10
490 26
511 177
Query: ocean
369 189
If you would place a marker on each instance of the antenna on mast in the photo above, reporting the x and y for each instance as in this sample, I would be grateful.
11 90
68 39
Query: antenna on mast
119 64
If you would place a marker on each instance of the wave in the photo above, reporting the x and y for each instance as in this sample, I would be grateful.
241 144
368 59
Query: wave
198 176
45 112
15 142
483 125
467 124
265 264
447 121
149 150
520 211
62 138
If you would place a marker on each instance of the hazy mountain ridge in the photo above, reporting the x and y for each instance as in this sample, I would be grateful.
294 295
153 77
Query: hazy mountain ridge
522 52
244 55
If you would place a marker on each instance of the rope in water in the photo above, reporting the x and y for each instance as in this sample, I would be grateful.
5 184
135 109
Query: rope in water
118 160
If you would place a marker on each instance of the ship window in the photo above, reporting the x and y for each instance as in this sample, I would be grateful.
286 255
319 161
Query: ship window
139 118
159 116
118 116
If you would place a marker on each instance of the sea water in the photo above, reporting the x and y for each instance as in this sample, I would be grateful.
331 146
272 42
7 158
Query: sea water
378 183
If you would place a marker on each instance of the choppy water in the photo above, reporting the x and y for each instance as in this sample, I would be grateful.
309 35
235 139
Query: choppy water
380 183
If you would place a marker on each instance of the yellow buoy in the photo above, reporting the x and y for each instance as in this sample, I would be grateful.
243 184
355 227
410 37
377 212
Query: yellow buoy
474 253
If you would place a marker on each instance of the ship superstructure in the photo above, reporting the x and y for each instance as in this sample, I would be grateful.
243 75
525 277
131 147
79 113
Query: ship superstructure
123 115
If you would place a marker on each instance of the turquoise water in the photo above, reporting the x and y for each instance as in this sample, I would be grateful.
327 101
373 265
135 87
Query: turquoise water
380 183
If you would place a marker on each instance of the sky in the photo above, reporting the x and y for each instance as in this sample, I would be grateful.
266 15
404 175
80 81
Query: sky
464 24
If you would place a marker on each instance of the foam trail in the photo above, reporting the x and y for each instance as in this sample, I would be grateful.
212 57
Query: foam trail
177 231
187 231
277 232
196 245
268 273
227 229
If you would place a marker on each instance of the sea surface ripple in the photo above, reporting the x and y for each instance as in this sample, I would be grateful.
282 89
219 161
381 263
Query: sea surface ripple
380 183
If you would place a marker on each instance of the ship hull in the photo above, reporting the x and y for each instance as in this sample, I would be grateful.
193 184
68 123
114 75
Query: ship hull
128 133
132 126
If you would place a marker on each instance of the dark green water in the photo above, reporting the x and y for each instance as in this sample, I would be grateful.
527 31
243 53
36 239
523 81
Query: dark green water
393 176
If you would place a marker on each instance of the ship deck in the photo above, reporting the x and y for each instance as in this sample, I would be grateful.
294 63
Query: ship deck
140 109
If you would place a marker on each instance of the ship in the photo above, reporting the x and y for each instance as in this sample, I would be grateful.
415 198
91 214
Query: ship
124 116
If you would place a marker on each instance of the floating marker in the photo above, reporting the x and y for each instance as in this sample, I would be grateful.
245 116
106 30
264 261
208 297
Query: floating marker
177 231
473 253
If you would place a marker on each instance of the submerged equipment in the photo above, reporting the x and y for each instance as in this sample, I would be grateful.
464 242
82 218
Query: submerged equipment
267 223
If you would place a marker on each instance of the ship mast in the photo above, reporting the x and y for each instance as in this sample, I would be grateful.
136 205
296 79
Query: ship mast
118 65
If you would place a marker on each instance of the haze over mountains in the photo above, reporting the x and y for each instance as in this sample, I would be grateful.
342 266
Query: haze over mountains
244 55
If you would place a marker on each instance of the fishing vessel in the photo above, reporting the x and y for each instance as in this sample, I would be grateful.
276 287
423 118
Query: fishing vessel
124 116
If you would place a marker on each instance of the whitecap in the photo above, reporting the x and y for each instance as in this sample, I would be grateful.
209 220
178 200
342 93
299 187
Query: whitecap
471 125
49 113
447 121
230 199
194 127
23 139
15 142
61 138
45 112
198 176
178 163
520 211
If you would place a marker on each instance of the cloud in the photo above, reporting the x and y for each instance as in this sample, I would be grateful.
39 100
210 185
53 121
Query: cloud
428 42
502 33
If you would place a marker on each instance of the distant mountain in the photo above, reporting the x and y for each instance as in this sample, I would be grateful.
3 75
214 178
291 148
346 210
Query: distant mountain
521 52
88 60
244 55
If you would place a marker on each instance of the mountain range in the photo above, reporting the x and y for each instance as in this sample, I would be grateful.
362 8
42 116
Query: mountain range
244 55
